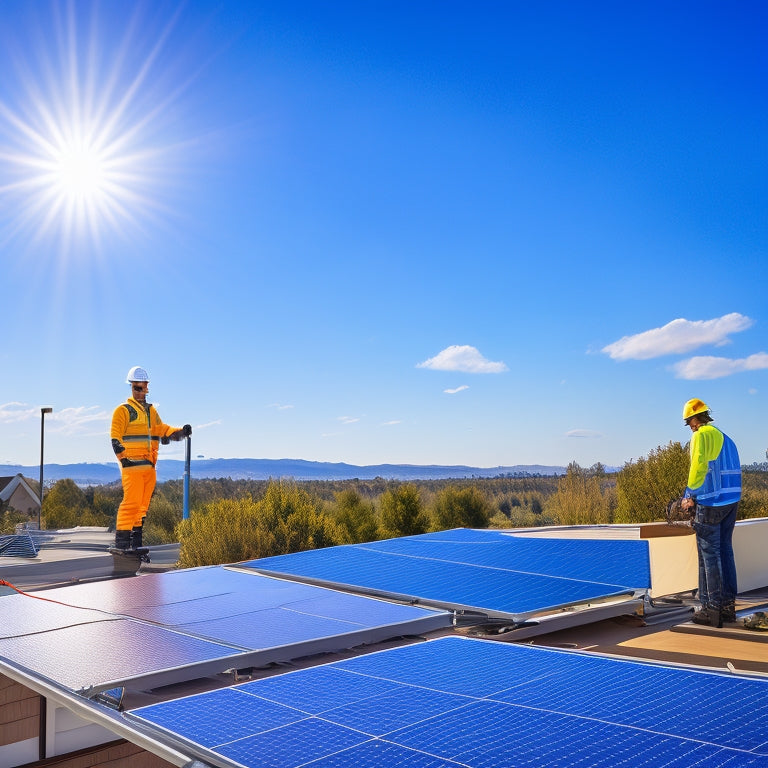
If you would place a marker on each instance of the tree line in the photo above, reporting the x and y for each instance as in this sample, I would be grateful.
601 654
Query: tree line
233 520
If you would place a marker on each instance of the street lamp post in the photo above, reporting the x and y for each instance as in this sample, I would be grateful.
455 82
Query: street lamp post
43 411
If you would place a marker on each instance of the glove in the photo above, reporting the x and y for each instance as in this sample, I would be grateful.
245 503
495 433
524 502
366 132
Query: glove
187 430
127 462
676 514
165 440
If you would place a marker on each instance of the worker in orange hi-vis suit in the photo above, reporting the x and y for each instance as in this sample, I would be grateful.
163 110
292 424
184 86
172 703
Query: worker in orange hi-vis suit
136 433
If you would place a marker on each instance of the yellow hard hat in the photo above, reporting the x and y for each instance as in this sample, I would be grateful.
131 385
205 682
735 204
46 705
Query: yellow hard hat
694 408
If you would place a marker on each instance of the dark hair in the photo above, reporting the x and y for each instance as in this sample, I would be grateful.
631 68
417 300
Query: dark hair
705 417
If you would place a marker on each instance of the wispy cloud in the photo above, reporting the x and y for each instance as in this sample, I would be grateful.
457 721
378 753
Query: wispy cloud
456 390
462 358
677 337
11 413
348 419
591 433
78 420
708 367
216 423
391 423
280 407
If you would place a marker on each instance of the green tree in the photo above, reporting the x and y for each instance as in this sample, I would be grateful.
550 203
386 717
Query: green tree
296 518
457 507
224 531
579 499
285 519
9 519
162 518
644 487
356 517
63 505
401 511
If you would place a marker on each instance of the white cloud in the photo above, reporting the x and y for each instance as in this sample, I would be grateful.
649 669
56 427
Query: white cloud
11 413
75 421
708 367
348 419
462 358
216 423
677 337
391 423
454 391
280 407
67 421
584 433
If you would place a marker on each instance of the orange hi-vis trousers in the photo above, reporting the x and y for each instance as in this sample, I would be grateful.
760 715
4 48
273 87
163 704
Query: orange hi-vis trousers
138 486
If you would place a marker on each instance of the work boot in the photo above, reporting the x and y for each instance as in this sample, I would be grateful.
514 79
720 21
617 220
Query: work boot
728 612
122 539
136 535
708 617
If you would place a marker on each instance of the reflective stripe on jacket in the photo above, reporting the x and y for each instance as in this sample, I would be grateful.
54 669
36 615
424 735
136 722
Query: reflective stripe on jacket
714 479
136 431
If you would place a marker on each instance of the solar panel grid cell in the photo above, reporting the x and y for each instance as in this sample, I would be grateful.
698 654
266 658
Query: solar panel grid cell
28 616
292 745
476 703
116 650
376 754
228 715
319 689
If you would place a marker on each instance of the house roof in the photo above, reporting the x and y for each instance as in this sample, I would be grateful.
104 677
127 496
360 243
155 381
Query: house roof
9 484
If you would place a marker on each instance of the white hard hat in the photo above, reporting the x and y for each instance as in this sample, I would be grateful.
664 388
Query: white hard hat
137 373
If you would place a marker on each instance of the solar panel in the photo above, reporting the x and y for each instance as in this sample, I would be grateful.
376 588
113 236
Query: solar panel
100 654
488 571
162 628
458 701
18 545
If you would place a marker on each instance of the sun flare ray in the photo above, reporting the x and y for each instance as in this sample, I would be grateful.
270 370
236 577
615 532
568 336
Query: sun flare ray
80 148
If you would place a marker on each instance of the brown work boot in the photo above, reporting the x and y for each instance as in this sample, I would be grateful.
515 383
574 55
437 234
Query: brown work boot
728 612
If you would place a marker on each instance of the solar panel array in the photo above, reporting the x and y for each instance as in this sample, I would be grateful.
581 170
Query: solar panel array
171 626
483 570
18 545
462 702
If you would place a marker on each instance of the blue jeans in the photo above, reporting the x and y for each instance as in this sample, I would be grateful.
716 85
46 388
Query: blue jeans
714 544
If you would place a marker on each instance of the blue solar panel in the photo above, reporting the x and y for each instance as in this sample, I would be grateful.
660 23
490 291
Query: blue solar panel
238 607
97 653
606 561
483 570
181 621
457 701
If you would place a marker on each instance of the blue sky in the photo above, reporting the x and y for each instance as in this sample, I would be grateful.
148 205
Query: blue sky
416 232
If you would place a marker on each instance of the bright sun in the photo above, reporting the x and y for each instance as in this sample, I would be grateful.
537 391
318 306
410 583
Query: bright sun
80 173
79 150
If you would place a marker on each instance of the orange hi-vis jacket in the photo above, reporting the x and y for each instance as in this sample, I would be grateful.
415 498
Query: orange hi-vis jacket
136 432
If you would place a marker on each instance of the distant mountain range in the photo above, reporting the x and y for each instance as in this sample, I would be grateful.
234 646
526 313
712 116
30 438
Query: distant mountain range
264 469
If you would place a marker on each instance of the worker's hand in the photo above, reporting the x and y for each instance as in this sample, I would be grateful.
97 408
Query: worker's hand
165 440
127 462
687 503
187 430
